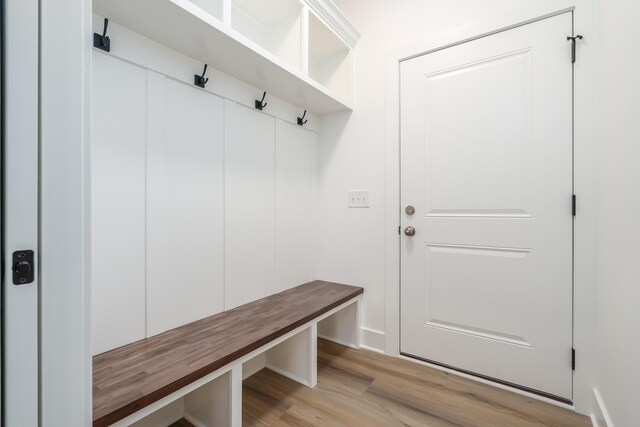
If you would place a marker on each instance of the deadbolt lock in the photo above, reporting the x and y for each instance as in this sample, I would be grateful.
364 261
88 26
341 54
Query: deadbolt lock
410 210
23 267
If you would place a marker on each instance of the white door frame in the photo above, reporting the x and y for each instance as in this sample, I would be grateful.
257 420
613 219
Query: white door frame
585 154
65 309
20 314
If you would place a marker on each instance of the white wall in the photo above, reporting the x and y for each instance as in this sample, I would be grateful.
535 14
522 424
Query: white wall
199 203
618 330
352 145
352 155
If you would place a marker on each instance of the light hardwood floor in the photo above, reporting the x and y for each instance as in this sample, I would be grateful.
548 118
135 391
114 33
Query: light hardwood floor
362 388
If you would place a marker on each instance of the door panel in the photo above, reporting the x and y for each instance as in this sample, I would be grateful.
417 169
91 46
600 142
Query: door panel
453 294
487 163
479 167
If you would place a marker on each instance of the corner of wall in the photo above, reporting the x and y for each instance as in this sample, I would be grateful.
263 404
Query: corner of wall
373 340
600 417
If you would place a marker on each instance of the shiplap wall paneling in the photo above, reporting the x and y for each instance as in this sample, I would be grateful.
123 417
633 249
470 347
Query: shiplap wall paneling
294 148
185 196
249 205
119 109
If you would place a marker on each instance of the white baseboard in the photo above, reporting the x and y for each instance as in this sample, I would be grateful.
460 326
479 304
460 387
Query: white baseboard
373 340
337 341
194 421
600 416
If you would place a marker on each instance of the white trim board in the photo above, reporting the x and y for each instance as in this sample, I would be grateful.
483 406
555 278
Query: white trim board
600 416
65 303
335 20
585 155
373 340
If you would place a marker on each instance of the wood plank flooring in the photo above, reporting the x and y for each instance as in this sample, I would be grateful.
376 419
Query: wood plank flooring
362 388
182 423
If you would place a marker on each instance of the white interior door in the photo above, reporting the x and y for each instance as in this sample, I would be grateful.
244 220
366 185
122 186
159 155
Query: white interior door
20 212
486 131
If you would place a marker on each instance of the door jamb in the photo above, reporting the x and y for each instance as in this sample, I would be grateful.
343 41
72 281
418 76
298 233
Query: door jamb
585 152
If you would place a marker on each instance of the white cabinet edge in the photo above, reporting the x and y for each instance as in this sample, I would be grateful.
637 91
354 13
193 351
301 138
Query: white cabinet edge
335 20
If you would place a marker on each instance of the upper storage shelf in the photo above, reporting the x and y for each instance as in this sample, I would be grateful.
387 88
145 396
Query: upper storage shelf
329 58
276 25
297 50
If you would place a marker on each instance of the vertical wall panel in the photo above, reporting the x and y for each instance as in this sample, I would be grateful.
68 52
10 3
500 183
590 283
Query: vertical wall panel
294 147
249 205
118 202
196 208
185 252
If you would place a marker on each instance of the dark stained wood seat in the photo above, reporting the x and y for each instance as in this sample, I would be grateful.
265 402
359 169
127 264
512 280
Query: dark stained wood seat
132 377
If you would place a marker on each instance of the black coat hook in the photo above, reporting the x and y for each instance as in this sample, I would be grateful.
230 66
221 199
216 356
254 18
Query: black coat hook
102 42
301 120
259 104
200 81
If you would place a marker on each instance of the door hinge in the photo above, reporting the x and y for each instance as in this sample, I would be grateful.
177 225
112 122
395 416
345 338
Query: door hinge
573 46
573 359
573 205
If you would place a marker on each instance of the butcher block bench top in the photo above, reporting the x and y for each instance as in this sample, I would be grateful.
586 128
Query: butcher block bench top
132 377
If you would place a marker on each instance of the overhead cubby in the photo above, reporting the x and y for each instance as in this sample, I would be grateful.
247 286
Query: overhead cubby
270 45
275 25
212 7
329 59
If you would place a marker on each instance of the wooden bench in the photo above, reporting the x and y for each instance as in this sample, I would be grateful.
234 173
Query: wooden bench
196 370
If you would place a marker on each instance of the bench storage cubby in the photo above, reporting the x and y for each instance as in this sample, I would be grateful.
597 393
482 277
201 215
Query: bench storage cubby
196 371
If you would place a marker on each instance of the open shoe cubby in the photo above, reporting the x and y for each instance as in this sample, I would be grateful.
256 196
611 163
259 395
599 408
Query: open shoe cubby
329 58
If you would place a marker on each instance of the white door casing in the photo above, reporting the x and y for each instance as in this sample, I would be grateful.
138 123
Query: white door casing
20 203
486 155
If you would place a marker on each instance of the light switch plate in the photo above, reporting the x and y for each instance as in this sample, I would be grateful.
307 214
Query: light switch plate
358 199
